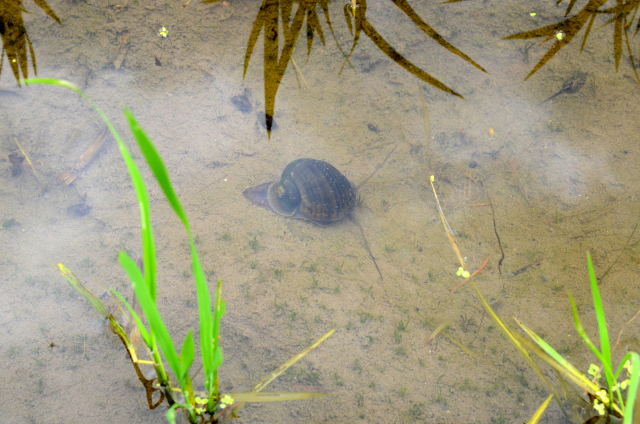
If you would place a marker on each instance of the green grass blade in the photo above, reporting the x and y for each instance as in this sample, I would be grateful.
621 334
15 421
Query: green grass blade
84 291
156 165
148 293
187 354
219 310
632 393
558 358
153 315
206 331
171 412
605 348
562 366
211 359
587 386
583 335
581 331
138 184
143 331
626 358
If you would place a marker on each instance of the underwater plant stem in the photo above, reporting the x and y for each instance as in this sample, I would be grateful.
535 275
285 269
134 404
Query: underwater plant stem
436 332
375 171
618 258
427 126
622 329
33 167
212 377
464 348
447 228
295 65
495 230
602 327
511 336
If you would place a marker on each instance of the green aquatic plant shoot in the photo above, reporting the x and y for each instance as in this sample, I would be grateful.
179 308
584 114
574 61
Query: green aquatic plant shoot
630 362
200 407
604 402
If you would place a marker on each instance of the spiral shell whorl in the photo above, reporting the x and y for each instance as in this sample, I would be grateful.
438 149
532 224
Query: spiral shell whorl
325 194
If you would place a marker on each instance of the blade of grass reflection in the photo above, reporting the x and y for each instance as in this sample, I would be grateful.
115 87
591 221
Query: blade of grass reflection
417 20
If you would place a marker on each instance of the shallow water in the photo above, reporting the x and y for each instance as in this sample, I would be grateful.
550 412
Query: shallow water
563 177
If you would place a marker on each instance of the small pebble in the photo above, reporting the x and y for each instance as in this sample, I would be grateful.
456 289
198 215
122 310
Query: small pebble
80 209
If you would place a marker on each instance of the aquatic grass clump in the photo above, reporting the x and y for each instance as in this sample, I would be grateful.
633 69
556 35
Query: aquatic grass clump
211 405
606 401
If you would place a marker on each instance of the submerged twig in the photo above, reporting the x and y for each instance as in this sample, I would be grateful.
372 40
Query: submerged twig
447 228
622 329
616 261
467 350
427 126
495 230
298 71
377 168
33 168
69 175
526 267
436 332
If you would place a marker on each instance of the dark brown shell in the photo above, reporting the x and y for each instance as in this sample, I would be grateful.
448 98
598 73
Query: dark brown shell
314 190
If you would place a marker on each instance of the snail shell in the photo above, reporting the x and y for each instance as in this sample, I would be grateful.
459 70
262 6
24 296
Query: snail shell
309 189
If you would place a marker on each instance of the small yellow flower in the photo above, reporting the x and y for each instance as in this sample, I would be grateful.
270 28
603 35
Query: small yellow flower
598 407
624 384
163 32
462 273
594 370
226 401
532 14
559 35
